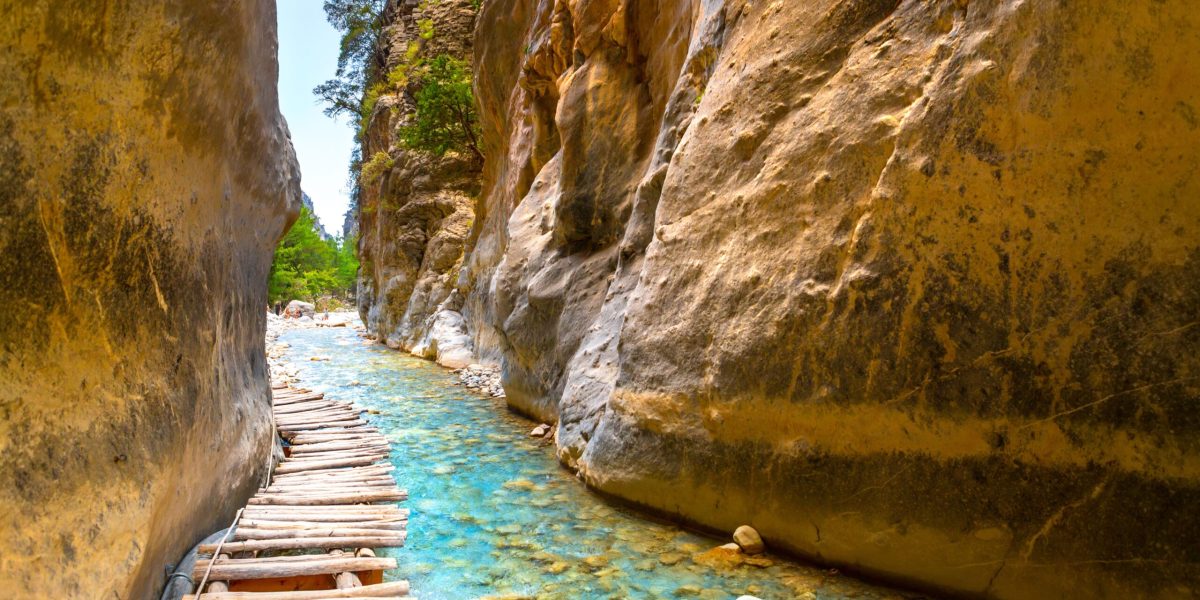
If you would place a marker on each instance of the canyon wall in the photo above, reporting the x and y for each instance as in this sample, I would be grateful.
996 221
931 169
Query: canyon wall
414 208
146 177
909 286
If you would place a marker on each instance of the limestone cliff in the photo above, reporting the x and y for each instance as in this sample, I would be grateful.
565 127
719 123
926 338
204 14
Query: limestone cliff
145 176
414 209
909 286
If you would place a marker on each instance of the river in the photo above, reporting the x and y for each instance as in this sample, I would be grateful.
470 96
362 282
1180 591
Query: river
493 513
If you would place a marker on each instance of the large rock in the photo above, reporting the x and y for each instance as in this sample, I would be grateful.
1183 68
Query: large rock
145 175
909 285
297 309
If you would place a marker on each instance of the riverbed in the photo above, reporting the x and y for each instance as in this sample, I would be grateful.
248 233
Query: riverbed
494 514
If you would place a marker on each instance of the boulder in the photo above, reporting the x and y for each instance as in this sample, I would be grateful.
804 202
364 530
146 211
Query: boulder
297 309
748 540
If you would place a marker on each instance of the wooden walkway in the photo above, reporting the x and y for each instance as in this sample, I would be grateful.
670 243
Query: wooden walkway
322 497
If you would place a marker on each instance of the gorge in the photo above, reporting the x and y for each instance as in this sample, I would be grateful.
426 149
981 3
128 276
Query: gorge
908 286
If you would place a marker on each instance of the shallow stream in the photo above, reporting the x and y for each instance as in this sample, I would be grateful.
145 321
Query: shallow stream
493 513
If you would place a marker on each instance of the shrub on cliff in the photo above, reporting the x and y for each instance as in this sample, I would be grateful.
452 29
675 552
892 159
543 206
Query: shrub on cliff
445 118
373 169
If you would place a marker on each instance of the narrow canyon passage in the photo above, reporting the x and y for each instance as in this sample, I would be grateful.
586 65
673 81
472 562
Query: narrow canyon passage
902 289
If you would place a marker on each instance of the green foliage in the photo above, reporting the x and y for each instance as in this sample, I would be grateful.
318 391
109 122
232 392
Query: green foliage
359 23
373 169
446 119
425 29
307 267
370 99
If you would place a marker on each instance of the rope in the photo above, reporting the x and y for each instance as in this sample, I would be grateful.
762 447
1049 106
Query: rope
217 552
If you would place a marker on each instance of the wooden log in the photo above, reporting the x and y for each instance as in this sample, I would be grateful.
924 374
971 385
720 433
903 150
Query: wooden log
217 586
321 465
337 453
359 469
368 439
366 478
348 509
301 513
314 405
295 399
245 533
344 433
298 486
330 520
316 412
310 487
325 511
397 523
315 513
297 500
237 569
302 543
374 521
330 490
340 445
380 590
345 581
333 420
293 392
305 459
316 426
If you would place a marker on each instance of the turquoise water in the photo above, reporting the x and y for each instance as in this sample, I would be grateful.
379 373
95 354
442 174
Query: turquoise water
493 514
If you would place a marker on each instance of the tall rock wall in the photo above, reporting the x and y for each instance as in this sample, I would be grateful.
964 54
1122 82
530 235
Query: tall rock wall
145 176
909 286
414 209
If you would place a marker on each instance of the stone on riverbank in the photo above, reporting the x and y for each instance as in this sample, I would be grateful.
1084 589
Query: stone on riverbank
297 309
748 540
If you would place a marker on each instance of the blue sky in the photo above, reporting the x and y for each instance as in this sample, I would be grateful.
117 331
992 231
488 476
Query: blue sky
308 49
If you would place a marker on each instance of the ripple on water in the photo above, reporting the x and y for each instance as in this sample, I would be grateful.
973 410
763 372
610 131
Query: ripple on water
493 512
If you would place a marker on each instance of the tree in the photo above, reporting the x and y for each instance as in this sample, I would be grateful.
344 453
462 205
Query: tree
307 267
446 119
359 23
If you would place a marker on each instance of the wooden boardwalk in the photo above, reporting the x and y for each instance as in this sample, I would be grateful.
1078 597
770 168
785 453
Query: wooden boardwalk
322 497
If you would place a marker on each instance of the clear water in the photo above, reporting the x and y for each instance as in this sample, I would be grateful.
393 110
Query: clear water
493 513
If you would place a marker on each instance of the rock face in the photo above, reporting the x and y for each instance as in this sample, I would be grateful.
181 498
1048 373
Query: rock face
911 286
415 211
146 176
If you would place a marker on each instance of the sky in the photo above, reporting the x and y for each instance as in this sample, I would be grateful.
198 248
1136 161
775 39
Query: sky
308 49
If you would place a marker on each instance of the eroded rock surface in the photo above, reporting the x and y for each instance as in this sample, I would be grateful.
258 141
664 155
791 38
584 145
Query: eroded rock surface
415 210
908 286
145 176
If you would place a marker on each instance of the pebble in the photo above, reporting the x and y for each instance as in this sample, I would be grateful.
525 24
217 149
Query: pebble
540 431
481 378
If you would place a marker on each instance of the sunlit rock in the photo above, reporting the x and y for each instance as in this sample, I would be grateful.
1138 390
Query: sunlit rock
747 538
145 176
